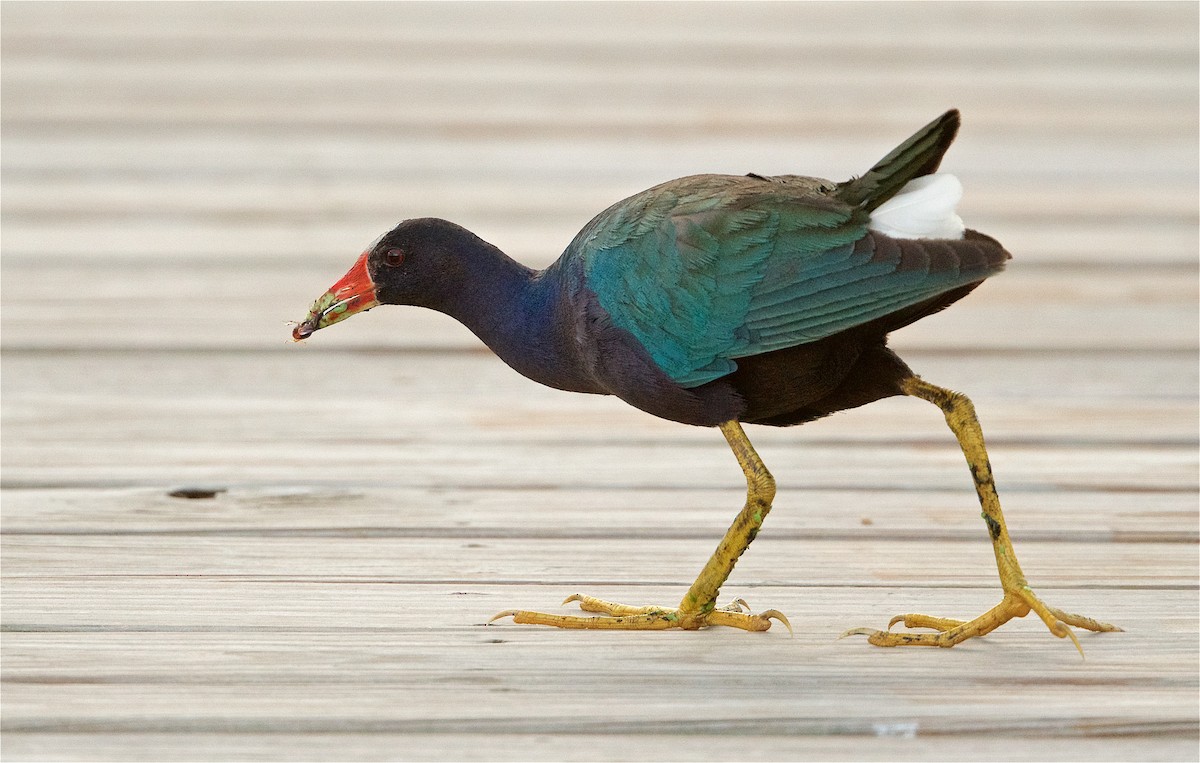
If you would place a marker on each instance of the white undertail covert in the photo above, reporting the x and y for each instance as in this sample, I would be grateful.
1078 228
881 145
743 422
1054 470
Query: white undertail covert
926 207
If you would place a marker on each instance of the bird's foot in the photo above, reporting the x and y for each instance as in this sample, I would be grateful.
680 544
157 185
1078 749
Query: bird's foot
1017 602
614 616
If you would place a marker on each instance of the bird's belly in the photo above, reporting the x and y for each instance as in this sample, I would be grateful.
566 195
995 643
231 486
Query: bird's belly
805 382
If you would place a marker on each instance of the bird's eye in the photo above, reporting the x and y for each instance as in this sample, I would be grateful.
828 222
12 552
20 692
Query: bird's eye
393 257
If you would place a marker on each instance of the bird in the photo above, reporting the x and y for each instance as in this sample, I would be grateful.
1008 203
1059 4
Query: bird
720 300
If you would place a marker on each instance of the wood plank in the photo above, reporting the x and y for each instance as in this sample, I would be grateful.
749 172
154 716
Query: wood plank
610 466
73 610
56 616
604 515
884 742
305 632
568 563
229 460
807 33
1162 26
581 103
553 67
394 676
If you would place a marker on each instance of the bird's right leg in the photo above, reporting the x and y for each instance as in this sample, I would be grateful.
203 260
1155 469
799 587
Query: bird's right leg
698 608
701 598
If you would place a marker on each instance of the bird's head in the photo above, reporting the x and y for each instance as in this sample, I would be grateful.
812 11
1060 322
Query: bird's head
415 263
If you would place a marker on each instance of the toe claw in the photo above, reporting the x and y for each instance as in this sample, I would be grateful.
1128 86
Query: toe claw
504 614
1062 630
894 620
868 632
775 614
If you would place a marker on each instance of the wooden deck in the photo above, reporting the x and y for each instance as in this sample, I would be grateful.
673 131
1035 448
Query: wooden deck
180 180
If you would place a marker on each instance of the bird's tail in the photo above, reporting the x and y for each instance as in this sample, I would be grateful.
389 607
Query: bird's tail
919 155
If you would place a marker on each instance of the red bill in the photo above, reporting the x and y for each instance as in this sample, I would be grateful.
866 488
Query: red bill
355 293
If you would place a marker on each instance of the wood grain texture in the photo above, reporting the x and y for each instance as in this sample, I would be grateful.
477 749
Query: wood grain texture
181 180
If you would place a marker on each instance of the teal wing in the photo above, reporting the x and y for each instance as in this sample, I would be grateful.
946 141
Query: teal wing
708 269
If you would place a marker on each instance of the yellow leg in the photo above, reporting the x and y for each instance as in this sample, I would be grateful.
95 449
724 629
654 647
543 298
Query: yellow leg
698 608
1019 598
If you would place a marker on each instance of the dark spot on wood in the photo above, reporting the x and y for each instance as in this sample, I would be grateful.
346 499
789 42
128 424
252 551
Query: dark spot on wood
496 641
196 493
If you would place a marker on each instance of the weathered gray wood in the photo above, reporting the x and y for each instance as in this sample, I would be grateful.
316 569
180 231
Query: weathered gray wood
886 742
318 633
650 48
561 560
606 514
180 180
297 674
400 459
440 420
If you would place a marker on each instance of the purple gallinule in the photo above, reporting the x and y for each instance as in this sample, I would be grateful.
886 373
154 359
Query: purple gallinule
718 300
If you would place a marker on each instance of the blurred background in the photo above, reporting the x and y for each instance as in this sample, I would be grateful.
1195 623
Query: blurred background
194 174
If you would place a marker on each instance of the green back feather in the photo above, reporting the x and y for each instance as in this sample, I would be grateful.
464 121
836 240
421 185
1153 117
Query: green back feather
710 268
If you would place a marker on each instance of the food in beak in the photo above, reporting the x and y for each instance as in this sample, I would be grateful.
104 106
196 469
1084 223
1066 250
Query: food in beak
354 293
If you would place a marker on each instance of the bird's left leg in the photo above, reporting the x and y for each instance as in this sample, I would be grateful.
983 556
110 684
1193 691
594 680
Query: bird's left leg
1019 598
698 608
